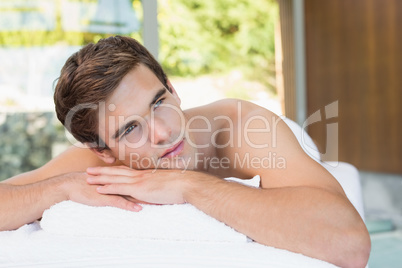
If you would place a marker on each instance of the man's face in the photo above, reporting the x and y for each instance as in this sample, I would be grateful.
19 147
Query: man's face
143 125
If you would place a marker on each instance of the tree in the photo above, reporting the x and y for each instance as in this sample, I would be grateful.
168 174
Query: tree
204 36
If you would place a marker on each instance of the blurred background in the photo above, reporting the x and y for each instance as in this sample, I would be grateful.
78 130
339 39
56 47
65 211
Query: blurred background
294 57
209 49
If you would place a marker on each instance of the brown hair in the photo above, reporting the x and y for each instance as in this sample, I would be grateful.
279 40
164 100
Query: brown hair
90 76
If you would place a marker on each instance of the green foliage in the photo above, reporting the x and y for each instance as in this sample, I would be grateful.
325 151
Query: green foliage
27 38
204 36
27 140
196 36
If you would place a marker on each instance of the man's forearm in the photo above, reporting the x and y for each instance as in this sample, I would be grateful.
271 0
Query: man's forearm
21 204
307 220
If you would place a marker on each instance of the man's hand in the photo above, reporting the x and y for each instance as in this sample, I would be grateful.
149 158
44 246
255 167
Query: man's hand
78 190
150 186
21 204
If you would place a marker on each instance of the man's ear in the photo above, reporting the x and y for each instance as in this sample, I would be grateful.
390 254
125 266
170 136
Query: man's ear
105 155
175 95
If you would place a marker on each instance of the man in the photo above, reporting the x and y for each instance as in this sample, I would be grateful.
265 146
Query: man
141 147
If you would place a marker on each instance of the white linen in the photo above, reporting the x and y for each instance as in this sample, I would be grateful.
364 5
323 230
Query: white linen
305 141
170 222
30 246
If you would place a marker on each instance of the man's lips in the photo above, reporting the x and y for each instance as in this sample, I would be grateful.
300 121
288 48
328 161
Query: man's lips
174 150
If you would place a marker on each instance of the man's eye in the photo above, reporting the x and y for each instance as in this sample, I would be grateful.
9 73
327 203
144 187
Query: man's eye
159 102
128 130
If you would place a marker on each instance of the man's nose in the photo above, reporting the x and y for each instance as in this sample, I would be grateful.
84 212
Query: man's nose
159 132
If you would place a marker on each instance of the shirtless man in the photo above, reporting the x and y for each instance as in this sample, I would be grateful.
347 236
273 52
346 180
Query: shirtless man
141 147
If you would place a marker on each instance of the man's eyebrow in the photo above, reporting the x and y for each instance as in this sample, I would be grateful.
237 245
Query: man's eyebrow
123 128
159 94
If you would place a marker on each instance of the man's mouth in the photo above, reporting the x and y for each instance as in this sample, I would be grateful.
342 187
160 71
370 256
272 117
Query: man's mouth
174 150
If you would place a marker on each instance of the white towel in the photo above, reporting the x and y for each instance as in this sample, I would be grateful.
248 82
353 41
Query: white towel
162 222
31 246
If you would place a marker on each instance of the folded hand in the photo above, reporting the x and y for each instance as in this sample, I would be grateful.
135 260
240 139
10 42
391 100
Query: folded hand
149 186
78 190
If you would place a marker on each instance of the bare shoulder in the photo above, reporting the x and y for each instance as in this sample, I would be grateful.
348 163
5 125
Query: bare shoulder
238 124
253 128
246 115
234 108
258 142
74 159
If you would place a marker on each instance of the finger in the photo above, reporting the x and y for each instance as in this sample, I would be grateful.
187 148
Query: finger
132 199
118 170
116 189
107 179
123 203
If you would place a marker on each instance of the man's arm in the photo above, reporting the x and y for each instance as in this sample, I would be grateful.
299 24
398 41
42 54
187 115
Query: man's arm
21 204
304 219
301 207
24 197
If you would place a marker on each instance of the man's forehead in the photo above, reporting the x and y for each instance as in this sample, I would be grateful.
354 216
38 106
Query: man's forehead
129 100
135 84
